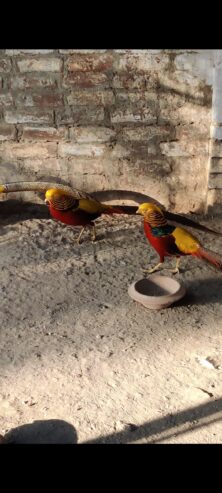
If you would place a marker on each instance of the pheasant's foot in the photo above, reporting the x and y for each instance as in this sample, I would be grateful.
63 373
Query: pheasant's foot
80 236
155 268
176 269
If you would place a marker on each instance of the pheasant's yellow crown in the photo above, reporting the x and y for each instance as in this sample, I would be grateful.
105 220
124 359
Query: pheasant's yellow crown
54 191
148 207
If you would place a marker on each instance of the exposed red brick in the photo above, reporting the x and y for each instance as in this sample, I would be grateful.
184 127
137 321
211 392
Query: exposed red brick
29 82
44 133
45 100
85 79
87 63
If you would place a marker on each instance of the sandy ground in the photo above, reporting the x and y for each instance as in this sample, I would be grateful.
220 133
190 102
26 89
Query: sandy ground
83 363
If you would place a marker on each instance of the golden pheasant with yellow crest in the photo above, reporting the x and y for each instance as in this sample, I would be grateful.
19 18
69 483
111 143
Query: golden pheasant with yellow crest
69 205
171 241
78 212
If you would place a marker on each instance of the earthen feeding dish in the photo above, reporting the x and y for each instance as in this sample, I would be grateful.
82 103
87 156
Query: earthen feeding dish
156 291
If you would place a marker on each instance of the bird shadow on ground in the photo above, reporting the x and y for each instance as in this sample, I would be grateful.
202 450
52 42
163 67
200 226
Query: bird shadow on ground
15 211
52 431
202 291
166 427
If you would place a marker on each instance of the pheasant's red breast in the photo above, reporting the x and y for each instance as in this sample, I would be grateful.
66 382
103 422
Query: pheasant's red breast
73 218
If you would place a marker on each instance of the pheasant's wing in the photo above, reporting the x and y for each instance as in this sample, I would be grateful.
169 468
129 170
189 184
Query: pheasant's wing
90 206
170 246
185 241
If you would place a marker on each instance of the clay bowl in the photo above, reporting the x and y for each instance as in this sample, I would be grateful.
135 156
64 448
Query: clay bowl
156 292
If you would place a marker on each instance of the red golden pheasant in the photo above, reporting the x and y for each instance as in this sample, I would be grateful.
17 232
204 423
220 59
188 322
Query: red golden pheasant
69 205
171 241
79 212
78 208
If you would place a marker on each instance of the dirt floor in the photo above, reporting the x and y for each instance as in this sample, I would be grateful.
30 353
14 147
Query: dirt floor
83 363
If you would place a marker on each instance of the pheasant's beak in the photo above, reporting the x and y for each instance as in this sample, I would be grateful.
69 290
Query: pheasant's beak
46 202
138 211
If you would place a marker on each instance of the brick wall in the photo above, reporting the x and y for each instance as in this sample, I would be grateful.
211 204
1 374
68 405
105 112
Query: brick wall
133 119
215 166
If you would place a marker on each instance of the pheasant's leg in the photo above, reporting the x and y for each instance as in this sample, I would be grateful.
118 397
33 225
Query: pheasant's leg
176 270
93 232
80 235
156 267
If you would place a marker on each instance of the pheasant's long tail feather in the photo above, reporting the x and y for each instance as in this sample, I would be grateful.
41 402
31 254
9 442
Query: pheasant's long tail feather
209 256
139 198
190 223
120 209
40 186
